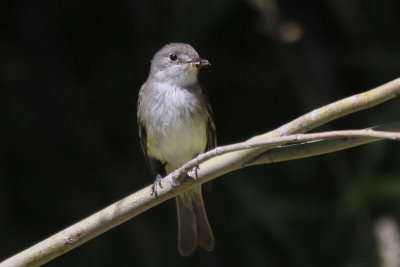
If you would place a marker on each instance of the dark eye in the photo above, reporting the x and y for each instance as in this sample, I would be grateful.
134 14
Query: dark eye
173 57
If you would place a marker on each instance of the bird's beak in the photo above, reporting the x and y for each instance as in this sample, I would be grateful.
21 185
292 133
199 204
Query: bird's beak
198 63
202 62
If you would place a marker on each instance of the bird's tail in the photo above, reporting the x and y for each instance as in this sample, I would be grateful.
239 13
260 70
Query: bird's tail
193 226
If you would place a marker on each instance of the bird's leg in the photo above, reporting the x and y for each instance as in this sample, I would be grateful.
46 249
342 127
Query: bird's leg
157 181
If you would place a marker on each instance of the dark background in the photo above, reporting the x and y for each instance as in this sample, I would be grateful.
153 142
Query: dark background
70 72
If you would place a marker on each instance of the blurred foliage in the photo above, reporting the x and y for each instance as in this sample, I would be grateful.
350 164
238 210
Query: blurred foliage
70 72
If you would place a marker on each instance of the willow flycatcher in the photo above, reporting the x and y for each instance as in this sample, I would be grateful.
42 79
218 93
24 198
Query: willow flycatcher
175 125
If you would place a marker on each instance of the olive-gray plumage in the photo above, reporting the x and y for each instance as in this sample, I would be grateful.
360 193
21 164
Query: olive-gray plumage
175 125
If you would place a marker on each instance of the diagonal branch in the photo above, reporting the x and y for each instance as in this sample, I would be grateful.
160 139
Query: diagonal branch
141 201
232 161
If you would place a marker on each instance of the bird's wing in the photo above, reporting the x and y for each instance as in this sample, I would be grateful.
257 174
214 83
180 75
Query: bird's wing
156 167
211 129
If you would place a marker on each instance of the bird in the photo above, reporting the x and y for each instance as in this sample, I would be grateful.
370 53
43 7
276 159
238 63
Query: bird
176 124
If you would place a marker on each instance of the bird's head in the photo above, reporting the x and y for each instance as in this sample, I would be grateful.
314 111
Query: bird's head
177 63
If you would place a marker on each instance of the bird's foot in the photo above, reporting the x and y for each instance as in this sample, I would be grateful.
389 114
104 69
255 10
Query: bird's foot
157 181
193 172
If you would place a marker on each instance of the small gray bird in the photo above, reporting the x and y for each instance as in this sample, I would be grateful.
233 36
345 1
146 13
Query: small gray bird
175 125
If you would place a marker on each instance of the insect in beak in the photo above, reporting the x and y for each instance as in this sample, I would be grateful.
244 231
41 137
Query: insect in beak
198 63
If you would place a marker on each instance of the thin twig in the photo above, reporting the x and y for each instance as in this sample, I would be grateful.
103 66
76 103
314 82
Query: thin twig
282 140
315 148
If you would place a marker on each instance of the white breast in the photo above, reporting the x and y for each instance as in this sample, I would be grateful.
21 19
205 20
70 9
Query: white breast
178 127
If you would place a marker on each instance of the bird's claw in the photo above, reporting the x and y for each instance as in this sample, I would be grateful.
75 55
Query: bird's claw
193 172
157 181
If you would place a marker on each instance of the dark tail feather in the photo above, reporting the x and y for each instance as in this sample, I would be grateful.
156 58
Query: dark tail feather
204 232
193 226
187 232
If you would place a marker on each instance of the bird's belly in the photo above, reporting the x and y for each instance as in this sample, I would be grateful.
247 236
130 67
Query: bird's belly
178 141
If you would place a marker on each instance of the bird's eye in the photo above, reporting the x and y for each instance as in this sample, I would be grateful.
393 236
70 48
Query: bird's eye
173 57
